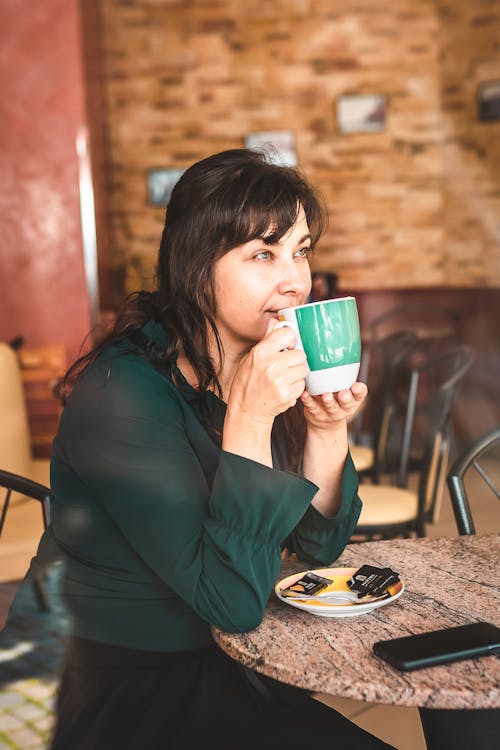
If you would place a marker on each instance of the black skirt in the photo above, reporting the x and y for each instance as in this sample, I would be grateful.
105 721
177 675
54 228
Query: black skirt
140 700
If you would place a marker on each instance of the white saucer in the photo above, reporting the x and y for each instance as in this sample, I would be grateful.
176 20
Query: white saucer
325 605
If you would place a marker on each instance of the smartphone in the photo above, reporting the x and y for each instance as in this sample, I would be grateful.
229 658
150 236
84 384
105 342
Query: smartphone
440 646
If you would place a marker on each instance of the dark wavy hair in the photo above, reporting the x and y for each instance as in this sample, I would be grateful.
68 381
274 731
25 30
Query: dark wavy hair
219 203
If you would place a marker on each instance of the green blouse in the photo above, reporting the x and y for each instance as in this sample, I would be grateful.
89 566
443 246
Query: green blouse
163 533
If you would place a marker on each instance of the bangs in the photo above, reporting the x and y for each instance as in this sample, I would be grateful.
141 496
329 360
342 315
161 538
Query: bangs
266 207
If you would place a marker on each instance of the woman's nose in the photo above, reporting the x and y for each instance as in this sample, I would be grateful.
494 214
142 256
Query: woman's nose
294 278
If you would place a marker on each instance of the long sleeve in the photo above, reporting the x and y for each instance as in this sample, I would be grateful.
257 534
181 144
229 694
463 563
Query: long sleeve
140 485
321 540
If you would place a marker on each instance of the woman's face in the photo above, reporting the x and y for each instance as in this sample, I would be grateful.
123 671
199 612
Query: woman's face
254 280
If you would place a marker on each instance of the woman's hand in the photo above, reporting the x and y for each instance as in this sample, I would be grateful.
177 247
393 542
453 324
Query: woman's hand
330 411
269 380
270 377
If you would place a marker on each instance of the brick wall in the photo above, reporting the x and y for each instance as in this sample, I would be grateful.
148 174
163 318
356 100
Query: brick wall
415 205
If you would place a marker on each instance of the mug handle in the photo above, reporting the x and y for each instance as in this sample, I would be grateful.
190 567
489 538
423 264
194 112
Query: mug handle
294 327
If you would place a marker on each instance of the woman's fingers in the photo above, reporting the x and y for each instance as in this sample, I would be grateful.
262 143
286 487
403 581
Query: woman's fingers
350 396
359 391
345 398
271 377
277 339
333 406
281 366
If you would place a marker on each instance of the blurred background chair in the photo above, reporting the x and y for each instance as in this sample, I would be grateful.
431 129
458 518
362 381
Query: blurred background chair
391 508
486 446
28 409
391 353
15 443
433 324
27 488
422 329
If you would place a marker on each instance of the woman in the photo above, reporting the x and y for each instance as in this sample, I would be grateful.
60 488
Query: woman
188 457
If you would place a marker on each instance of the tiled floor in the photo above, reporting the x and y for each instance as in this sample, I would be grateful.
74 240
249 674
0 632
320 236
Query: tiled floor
31 647
31 644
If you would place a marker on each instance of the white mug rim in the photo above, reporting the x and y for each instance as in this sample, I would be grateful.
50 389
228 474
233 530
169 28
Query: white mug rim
316 302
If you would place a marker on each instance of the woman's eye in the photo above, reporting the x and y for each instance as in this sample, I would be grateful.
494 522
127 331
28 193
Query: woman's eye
305 252
263 255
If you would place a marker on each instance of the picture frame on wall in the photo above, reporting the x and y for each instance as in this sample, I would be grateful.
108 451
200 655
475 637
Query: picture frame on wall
160 183
361 113
488 101
279 145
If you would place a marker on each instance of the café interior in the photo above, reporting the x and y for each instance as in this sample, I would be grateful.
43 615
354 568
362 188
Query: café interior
392 110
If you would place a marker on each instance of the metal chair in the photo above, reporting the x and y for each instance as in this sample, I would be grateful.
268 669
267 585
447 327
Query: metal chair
466 462
392 353
432 323
15 443
35 491
394 509
433 328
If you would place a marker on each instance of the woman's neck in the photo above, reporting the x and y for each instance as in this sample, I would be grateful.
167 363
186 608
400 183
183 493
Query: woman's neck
225 374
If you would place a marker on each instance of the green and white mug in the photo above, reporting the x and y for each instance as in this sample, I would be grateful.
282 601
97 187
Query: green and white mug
328 332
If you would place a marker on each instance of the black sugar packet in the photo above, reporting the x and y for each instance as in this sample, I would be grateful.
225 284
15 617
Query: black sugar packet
366 580
309 585
371 580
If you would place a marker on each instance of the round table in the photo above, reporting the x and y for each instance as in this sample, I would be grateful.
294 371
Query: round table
448 581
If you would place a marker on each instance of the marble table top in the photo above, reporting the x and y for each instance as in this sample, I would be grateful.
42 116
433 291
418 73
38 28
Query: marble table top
448 581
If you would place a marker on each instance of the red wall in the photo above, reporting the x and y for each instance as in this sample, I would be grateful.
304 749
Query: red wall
43 294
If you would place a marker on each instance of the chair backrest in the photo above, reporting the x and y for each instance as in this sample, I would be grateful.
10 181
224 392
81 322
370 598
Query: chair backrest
467 461
428 320
433 326
392 352
15 446
28 488
432 477
35 491
442 376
